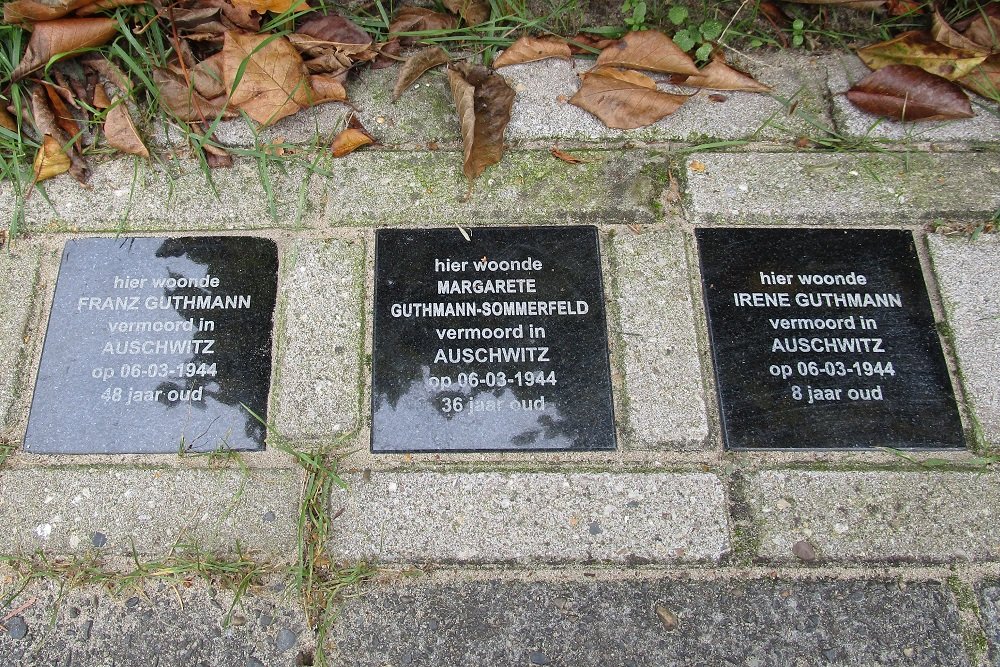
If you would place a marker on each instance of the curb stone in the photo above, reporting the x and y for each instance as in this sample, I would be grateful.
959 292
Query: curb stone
846 189
530 518
319 331
61 509
971 296
19 271
878 516
663 376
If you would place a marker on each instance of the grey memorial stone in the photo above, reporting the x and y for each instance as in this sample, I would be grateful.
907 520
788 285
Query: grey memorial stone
157 345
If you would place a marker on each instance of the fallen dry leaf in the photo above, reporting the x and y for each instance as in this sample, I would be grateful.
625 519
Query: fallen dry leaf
985 79
416 65
984 29
327 88
7 121
207 77
717 75
850 4
348 141
473 12
588 43
50 160
648 50
101 99
276 6
483 100
121 133
273 84
30 11
337 31
388 54
908 93
697 166
61 36
717 98
105 5
564 156
530 49
63 116
919 48
184 103
44 118
942 32
624 99
418 19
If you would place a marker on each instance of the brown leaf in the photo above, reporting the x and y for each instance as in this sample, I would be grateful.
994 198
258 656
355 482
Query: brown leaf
984 29
54 38
235 17
7 121
109 71
648 50
473 12
184 103
276 6
418 19
338 31
50 160
327 88
624 99
483 100
717 75
45 123
121 133
388 54
942 32
529 49
416 65
63 116
919 48
207 77
274 83
349 140
331 63
985 79
850 4
588 43
101 100
908 93
29 11
105 5
564 156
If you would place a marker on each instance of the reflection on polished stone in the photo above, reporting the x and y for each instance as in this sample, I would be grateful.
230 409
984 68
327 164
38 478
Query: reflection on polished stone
155 345
490 344
824 339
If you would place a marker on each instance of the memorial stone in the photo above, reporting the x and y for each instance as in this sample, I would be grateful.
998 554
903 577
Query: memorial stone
824 339
155 345
495 342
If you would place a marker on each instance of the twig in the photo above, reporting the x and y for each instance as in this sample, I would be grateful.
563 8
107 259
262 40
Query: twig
16 612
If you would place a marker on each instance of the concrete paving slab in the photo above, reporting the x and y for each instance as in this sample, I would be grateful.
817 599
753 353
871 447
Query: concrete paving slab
989 607
19 266
846 69
970 289
664 389
127 194
844 189
877 516
530 518
428 188
637 622
542 110
318 378
73 510
178 625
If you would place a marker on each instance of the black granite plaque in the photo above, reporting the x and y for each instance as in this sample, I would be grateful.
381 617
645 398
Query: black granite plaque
498 343
155 345
824 339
